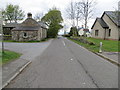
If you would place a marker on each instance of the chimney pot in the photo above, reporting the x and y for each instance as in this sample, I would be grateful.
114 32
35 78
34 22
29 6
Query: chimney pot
29 15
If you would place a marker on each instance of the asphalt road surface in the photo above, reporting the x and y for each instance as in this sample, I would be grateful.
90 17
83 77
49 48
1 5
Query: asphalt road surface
28 50
65 64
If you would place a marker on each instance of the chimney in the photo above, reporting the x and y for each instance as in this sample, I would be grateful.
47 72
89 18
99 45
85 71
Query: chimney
29 15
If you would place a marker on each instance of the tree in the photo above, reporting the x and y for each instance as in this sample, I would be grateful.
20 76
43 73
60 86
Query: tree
18 13
87 7
13 13
73 31
71 12
53 20
77 13
82 10
38 16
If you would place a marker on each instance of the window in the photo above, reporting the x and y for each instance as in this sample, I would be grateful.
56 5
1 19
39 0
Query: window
96 32
25 35
109 32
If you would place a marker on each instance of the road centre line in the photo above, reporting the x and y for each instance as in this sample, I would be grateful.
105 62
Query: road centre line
63 43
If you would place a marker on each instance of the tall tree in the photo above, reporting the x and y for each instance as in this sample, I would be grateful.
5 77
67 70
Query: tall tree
18 13
13 13
77 13
81 10
87 8
53 19
71 12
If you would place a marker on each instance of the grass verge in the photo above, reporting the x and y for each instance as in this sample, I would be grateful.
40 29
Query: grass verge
108 45
8 56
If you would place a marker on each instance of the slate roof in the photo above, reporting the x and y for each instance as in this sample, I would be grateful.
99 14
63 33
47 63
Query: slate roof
28 24
11 25
84 29
87 30
113 15
80 28
42 24
101 22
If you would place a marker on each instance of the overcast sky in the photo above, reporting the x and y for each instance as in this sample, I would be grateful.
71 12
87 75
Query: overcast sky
35 6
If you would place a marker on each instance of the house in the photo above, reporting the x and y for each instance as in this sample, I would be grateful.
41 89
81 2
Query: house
29 30
107 27
8 27
83 32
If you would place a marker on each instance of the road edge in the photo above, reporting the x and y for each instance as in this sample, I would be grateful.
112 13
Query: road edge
16 74
106 58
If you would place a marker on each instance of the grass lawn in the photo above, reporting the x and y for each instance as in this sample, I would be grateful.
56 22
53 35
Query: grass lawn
108 45
8 56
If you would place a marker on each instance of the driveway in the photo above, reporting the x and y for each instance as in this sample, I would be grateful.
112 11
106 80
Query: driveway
29 50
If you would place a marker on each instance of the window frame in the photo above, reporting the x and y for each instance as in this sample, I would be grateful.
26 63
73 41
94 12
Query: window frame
25 35
96 32
109 32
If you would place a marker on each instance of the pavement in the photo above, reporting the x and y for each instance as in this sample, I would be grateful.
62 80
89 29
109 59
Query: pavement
111 55
11 70
65 64
29 52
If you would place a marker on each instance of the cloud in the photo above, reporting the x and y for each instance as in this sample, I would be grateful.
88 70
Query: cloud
42 6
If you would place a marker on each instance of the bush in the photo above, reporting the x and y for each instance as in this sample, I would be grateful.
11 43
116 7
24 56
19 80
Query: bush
44 39
66 35
83 40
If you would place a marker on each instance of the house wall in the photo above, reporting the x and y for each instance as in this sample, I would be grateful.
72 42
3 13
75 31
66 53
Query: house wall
113 27
18 35
44 33
40 34
101 32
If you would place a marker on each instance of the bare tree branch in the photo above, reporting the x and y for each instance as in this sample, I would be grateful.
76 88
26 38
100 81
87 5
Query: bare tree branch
38 16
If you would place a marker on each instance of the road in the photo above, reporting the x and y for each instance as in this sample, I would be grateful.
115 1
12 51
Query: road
64 64
28 50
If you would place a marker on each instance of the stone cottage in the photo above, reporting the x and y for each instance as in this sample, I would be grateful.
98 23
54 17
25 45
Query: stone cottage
107 27
29 30
8 27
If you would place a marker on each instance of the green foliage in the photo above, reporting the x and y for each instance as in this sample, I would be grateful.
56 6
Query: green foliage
9 55
108 45
53 19
53 16
13 13
73 31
